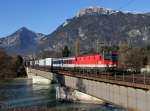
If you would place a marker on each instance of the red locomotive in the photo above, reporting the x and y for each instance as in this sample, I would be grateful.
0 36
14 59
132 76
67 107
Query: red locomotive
98 61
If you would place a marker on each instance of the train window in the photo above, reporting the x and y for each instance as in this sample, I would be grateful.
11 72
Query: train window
65 61
110 57
57 62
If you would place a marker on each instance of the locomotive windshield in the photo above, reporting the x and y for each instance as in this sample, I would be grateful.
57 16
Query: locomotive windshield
110 57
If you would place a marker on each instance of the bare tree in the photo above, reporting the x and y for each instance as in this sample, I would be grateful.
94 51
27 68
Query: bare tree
10 66
130 58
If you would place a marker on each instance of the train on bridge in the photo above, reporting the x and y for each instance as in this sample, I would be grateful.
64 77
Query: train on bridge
101 67
100 62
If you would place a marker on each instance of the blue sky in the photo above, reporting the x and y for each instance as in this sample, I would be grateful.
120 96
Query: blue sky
46 15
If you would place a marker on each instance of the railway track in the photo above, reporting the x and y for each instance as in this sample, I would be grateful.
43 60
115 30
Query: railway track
132 80
138 81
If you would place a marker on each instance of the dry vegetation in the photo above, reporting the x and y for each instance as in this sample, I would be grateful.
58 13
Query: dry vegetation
11 67
133 57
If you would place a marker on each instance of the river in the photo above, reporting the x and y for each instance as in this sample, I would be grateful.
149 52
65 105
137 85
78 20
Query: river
21 93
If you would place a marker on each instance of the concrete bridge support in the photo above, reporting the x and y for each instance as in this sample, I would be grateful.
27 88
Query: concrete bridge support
131 98
127 97
62 92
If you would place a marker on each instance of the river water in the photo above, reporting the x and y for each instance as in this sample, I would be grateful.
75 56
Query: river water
16 93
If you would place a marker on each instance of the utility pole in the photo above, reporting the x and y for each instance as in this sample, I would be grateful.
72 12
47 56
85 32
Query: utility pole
99 45
129 42
77 47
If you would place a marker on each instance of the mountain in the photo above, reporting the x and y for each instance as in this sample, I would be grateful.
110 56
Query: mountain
99 25
93 27
23 41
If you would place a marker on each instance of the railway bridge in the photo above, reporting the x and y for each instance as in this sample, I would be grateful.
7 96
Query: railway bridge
129 91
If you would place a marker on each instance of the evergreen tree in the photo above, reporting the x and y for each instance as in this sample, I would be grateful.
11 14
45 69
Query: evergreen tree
65 52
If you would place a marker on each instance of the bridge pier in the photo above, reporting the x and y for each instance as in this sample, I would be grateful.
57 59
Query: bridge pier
36 78
62 91
69 94
134 99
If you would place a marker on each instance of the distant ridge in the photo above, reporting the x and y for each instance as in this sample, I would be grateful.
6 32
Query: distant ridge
23 41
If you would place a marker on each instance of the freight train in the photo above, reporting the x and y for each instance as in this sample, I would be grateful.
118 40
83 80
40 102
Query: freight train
100 62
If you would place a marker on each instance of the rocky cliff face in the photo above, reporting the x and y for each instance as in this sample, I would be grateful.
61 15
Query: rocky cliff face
103 25
96 10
